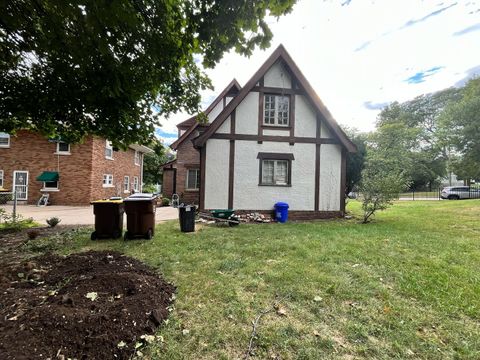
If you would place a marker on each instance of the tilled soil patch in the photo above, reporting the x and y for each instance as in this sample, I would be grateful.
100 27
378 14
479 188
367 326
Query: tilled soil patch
92 305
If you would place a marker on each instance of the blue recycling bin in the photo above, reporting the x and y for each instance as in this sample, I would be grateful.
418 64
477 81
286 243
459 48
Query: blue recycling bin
281 212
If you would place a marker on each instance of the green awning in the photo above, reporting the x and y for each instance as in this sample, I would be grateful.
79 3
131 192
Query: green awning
48 176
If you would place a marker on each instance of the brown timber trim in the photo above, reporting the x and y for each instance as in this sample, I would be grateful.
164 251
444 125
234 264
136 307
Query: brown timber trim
260 115
275 127
224 101
275 156
274 138
292 119
317 163
203 153
277 91
232 122
261 81
317 177
231 162
343 179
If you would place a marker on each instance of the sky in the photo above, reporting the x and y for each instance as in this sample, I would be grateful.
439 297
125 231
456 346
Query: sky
361 55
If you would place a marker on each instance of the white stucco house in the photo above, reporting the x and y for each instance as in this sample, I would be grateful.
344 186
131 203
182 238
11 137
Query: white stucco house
272 140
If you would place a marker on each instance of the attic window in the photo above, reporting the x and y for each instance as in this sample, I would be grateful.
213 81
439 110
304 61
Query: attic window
276 110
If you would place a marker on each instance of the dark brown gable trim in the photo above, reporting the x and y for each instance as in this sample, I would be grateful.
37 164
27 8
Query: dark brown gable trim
261 111
278 91
275 156
203 153
317 164
274 138
191 166
343 184
231 162
291 121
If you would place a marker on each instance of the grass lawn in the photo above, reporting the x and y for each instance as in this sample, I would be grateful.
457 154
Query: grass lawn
405 286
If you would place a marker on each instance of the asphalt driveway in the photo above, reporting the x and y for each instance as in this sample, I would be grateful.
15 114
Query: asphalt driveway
76 215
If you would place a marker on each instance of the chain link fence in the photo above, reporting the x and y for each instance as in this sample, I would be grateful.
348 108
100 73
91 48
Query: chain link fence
8 206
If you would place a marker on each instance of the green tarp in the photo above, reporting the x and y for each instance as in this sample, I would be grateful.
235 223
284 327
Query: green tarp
48 176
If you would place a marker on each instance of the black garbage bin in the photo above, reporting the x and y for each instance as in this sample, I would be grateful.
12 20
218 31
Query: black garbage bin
140 209
186 214
108 218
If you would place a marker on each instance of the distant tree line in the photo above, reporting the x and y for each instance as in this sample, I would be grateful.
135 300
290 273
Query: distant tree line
416 143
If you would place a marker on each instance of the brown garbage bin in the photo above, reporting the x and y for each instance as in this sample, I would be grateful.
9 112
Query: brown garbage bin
108 218
140 209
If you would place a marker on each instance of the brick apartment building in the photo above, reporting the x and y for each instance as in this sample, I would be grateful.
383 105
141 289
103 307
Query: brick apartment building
72 174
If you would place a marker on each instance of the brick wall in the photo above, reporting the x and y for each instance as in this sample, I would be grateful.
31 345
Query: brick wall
187 158
167 184
81 172
123 164
33 153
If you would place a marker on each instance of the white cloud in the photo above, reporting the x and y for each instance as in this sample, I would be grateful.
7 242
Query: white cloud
322 38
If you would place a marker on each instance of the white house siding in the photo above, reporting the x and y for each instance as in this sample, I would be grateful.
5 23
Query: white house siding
225 127
215 111
248 195
216 174
305 118
330 177
246 117
272 132
277 76
325 132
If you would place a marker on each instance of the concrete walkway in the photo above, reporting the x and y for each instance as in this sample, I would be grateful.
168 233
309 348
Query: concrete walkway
76 215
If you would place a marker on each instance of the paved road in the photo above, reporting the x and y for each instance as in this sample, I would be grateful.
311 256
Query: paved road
77 215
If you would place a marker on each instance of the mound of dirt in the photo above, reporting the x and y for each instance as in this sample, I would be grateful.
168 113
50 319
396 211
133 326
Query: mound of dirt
92 305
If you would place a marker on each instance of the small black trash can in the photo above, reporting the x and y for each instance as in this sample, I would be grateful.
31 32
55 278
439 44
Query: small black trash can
186 214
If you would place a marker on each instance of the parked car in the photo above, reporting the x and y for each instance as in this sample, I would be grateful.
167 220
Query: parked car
460 192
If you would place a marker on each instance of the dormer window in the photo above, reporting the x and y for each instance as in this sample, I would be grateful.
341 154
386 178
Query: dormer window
4 140
276 110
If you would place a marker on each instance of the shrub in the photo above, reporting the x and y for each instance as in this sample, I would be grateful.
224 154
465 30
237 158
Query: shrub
53 221
165 201
33 234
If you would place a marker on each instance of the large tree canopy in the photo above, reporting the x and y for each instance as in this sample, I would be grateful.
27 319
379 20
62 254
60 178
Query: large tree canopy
461 129
71 68
416 122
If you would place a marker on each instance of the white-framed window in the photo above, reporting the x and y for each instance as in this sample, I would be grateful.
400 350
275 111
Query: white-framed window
193 179
137 157
50 186
107 180
4 140
1 179
108 150
276 110
275 172
63 148
135 183
126 184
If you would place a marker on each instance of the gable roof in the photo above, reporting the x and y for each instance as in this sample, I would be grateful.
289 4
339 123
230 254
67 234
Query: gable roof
279 53
187 123
192 123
